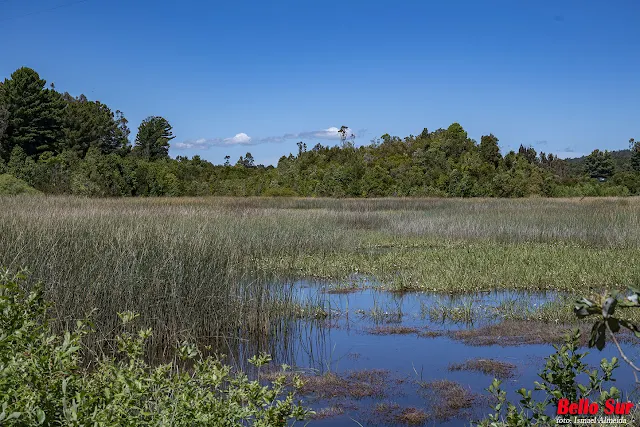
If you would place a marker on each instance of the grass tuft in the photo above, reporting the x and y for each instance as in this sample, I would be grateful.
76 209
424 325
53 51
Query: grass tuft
496 368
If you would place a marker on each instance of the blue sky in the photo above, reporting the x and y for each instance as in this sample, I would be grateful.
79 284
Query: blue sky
259 76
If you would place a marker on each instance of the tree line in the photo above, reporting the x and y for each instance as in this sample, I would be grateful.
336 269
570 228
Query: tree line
60 144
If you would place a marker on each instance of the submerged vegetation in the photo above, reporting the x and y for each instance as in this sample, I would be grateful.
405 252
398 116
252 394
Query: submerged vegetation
496 368
394 330
393 414
448 399
353 385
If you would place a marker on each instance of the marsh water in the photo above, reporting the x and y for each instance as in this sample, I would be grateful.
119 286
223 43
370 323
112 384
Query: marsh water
404 343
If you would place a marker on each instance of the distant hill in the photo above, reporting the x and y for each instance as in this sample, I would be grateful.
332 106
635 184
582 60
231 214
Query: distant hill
621 158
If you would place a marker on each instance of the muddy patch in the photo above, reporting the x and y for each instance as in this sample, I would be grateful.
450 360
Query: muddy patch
513 333
495 368
394 330
354 385
430 334
333 411
393 414
449 399
342 289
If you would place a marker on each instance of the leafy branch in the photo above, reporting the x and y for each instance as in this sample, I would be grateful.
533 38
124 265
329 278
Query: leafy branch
604 308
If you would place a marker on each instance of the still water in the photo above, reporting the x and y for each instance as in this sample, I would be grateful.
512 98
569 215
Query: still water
354 342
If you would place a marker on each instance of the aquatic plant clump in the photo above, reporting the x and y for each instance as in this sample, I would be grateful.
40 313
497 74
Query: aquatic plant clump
449 399
510 333
496 368
394 330
355 384
392 413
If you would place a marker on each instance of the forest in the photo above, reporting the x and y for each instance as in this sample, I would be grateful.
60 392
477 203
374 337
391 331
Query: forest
55 143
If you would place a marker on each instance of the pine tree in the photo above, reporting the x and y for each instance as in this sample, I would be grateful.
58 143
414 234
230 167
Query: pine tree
4 121
634 146
152 141
599 164
93 124
489 150
34 114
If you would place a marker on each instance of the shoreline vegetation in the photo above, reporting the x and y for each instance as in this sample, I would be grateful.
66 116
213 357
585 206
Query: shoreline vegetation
217 276
182 262
138 288
48 379
57 143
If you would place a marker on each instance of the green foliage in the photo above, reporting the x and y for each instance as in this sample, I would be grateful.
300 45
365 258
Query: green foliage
82 139
93 124
489 150
559 379
604 308
20 165
99 175
4 124
629 180
247 161
599 164
559 376
34 114
43 382
634 146
152 141
12 186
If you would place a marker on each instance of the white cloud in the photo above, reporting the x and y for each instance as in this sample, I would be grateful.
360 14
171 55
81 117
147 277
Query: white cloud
240 138
204 143
199 144
331 133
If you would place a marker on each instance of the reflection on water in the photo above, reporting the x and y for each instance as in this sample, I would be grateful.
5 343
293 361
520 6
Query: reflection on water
343 343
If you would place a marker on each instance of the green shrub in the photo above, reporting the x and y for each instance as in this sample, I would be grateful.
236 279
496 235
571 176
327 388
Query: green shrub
563 368
12 186
44 379
559 379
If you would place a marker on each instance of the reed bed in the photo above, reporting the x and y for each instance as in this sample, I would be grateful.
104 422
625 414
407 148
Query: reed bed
221 269
187 268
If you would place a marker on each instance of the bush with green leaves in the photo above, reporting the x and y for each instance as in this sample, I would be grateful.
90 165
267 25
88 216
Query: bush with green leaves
46 379
12 186
604 307
559 379
563 367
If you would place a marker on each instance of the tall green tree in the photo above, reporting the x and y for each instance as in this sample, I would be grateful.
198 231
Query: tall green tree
346 137
599 164
4 120
247 161
489 150
529 153
634 146
34 114
152 141
454 141
92 124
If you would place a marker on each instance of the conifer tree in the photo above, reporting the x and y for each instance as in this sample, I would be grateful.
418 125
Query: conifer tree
34 121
